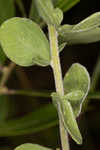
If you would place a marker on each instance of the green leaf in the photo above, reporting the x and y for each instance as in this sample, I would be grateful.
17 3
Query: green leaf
29 146
49 14
67 116
7 10
70 121
65 5
39 120
87 31
76 86
33 14
62 46
24 42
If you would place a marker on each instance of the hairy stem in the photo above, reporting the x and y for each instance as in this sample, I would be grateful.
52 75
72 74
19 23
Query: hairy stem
55 64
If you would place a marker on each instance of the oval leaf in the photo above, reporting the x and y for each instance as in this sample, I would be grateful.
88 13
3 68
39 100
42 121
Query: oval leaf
67 116
87 31
48 13
77 79
29 146
70 121
75 98
24 42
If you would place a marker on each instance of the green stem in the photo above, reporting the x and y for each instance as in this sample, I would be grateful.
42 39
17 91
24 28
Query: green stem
43 94
55 63
26 93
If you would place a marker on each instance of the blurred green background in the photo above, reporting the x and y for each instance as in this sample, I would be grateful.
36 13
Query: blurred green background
25 119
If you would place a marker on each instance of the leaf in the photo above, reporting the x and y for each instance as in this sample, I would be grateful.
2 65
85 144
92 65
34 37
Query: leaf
29 146
49 14
33 14
62 46
24 42
66 5
70 121
67 116
76 86
7 10
87 31
39 120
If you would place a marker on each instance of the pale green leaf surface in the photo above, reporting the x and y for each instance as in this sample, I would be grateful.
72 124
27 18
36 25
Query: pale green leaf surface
87 31
76 99
67 116
49 14
29 146
76 82
70 121
24 42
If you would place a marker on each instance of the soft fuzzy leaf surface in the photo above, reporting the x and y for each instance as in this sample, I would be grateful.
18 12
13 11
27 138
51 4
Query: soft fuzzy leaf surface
24 42
76 86
67 116
29 146
49 14
87 31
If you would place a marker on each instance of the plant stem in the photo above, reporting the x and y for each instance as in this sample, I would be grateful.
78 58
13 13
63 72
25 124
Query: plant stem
6 73
43 94
5 91
55 64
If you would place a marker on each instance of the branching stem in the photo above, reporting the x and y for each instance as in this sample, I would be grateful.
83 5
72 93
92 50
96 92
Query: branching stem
55 64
